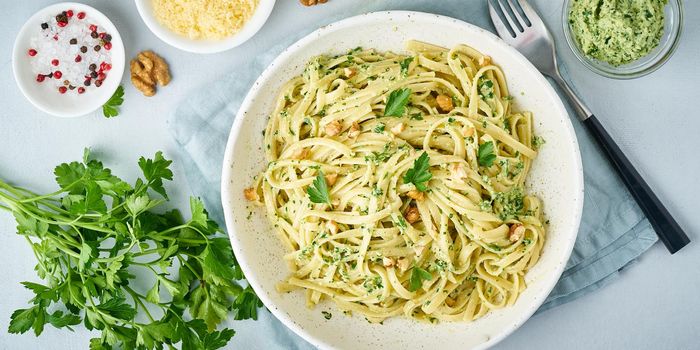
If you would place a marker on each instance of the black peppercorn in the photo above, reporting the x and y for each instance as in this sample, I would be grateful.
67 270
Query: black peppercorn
44 26
93 74
94 34
86 82
108 38
97 47
73 41
71 87
92 67
83 49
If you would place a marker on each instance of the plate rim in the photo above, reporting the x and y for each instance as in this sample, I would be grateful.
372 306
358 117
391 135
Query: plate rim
324 30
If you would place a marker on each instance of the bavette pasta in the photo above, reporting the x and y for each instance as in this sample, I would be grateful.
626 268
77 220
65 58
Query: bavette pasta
397 184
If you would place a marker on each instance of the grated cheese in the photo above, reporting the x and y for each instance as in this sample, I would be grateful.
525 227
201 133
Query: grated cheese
204 19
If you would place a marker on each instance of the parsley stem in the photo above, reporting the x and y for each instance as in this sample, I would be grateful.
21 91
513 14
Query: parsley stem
36 255
61 245
42 197
138 301
184 262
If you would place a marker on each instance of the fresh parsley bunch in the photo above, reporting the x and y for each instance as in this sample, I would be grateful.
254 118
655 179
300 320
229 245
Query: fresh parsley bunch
94 235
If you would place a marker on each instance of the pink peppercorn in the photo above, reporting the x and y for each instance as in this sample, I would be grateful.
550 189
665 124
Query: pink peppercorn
62 89
78 58
40 78
93 28
102 35
81 90
32 52
57 74
81 15
54 62
69 13
101 76
108 45
62 24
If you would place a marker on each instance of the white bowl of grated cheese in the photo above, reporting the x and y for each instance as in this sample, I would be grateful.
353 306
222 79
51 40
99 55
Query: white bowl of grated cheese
208 26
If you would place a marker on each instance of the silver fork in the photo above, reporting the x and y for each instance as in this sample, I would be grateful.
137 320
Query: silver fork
518 24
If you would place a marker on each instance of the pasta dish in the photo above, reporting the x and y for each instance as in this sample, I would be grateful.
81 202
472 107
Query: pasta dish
397 184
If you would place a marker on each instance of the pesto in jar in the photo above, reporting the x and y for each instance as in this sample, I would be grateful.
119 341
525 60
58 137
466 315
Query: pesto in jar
617 31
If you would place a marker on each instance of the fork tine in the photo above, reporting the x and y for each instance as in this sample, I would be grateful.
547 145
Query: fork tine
529 12
519 12
512 20
499 21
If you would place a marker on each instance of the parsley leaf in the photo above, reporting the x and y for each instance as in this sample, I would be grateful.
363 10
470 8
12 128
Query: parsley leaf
92 236
246 305
109 109
396 104
379 128
318 191
156 170
418 275
416 116
537 142
420 174
405 63
486 154
217 340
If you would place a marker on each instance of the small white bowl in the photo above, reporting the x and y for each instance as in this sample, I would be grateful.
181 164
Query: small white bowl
262 12
43 96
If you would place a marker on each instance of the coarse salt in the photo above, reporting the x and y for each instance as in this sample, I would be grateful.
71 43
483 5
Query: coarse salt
56 55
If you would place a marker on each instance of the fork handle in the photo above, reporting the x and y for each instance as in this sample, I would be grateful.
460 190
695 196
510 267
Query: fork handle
666 227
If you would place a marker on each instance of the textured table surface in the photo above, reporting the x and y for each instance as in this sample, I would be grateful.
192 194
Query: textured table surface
653 305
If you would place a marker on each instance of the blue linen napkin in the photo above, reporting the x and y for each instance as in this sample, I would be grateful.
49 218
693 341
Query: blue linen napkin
613 229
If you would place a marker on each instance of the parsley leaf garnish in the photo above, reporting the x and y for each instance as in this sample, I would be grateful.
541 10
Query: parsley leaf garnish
404 65
97 233
486 154
416 116
109 109
537 142
396 104
418 275
318 191
420 174
379 128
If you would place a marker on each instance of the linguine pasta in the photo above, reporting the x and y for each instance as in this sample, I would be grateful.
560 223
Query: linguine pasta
397 184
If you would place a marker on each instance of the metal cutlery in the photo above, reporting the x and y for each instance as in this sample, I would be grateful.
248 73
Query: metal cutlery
520 26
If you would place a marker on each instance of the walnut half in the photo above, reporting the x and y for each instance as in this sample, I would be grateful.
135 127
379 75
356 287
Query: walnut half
148 70
312 2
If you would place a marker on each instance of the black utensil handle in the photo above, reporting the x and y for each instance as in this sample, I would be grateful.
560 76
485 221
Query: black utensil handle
661 220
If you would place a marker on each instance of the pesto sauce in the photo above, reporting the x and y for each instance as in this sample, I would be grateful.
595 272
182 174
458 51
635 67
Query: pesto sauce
617 31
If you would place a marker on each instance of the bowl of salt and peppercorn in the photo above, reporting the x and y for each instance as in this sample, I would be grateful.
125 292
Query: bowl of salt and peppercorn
68 59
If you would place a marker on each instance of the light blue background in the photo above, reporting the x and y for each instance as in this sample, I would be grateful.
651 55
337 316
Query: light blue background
653 305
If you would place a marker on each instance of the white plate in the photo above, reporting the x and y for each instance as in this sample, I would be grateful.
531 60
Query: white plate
262 12
556 177
44 96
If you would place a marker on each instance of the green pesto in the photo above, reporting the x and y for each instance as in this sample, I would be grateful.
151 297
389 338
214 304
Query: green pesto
617 31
